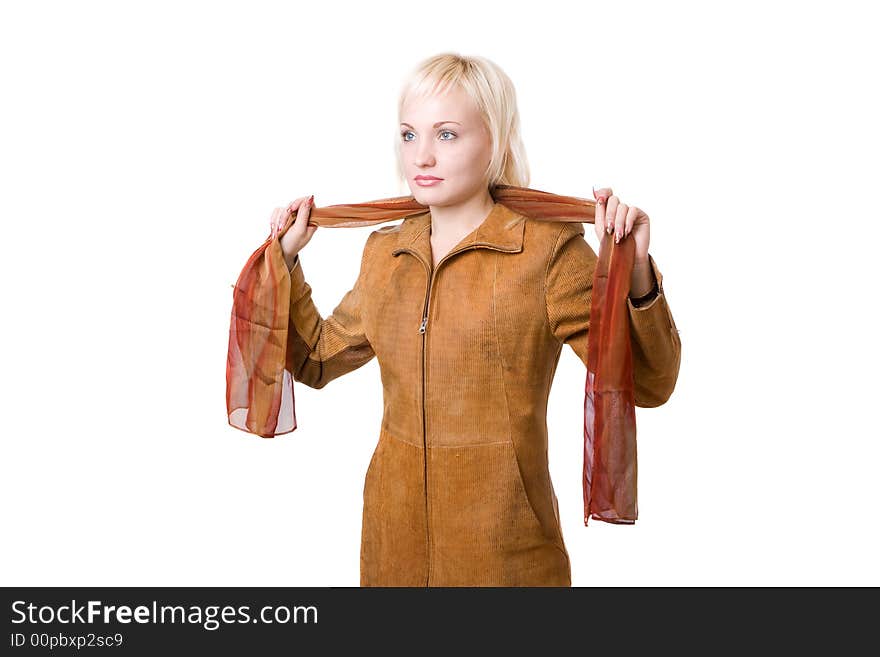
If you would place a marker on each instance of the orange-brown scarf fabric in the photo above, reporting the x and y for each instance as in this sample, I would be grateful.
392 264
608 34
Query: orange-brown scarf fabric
259 390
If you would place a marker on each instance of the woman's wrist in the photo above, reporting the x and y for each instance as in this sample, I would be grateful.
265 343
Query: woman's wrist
290 260
642 281
646 298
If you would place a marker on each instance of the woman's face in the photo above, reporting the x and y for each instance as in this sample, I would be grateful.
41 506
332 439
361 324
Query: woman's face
444 136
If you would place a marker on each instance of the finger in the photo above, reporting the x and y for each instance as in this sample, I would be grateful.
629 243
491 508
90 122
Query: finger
630 221
602 191
291 209
311 207
295 204
620 221
302 214
273 221
601 195
281 215
610 213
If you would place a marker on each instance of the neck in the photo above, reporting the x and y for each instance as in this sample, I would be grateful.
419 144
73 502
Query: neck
462 217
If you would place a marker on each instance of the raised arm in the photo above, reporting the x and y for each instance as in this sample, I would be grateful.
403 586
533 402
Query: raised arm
656 344
318 349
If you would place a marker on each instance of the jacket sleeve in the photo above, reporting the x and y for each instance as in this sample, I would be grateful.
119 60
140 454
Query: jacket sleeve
656 345
318 349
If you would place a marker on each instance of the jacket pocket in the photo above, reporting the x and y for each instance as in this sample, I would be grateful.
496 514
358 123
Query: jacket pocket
555 536
374 464
516 476
478 504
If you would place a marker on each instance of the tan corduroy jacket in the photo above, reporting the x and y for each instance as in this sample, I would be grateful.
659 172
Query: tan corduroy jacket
458 490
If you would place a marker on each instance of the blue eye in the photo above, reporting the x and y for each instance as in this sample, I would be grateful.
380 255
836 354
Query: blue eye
409 132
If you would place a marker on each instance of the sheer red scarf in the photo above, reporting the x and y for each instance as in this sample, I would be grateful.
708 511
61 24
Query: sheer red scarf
259 390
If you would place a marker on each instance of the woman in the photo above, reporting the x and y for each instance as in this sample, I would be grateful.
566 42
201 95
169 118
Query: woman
466 308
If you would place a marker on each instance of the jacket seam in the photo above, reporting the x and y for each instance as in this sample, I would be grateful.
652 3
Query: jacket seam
367 267
550 260
500 348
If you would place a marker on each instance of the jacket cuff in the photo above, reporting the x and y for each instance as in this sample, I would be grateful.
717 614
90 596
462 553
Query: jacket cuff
297 277
643 300
648 301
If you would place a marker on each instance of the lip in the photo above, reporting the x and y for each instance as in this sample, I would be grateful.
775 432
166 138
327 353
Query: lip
427 181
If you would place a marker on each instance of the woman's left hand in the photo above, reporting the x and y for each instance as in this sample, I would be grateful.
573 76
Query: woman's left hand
623 220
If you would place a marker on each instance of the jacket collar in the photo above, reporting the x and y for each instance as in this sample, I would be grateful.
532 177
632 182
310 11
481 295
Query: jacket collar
497 231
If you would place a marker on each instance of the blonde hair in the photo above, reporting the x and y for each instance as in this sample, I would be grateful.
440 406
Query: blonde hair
494 95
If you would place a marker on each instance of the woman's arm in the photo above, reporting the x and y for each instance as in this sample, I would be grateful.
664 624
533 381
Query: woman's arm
318 349
656 345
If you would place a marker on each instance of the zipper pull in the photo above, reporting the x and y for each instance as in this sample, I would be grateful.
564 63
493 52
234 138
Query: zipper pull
424 324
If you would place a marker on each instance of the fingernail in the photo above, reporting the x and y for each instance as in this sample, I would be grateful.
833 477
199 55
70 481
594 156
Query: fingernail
617 237
609 228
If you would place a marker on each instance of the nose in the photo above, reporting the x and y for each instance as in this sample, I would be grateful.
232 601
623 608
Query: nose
424 154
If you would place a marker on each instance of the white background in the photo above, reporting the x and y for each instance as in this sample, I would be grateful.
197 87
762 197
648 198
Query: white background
144 145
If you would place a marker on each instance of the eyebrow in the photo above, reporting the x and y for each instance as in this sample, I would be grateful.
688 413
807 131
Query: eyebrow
439 123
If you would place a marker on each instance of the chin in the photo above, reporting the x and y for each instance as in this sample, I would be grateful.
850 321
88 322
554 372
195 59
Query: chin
426 197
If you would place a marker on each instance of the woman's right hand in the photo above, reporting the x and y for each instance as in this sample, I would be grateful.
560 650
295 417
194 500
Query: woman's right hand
299 233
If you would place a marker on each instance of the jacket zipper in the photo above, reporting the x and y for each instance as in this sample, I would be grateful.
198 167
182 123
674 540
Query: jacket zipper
423 328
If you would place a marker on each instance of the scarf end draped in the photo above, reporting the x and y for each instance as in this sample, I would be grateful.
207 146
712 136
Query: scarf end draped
610 464
259 386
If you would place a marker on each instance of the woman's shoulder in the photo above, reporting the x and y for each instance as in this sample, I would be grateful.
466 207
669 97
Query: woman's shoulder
385 230
384 239
388 235
551 234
